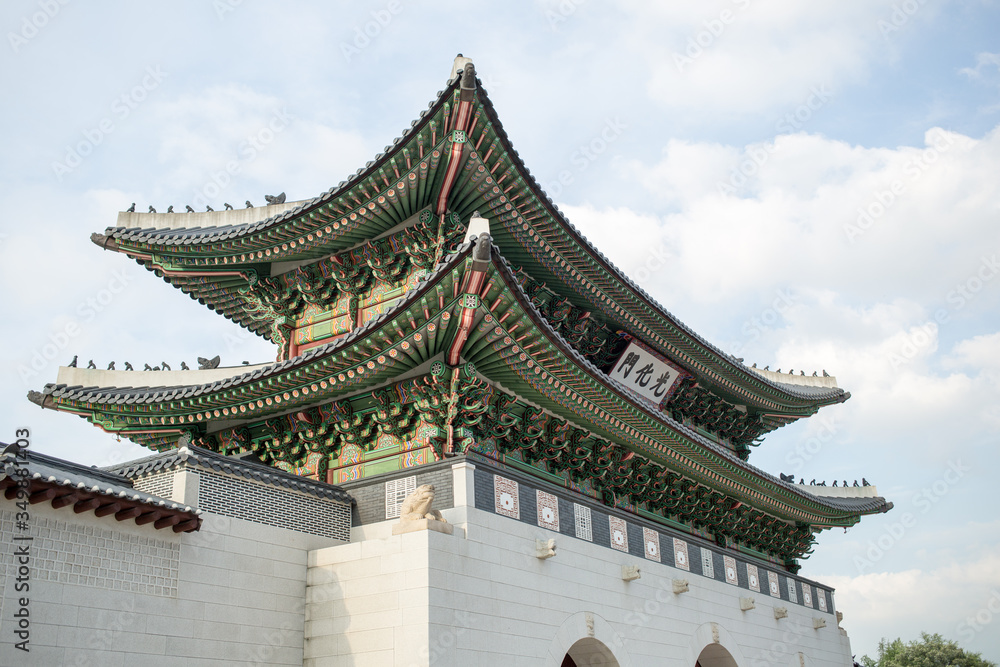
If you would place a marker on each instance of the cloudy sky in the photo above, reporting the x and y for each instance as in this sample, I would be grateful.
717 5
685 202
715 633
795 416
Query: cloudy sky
821 179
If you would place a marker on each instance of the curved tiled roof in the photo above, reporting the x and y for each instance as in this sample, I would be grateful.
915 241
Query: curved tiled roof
203 458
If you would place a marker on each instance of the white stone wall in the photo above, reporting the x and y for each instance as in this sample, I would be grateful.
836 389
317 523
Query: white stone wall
111 593
490 601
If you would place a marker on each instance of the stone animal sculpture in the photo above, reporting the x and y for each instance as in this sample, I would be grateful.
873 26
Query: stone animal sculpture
417 505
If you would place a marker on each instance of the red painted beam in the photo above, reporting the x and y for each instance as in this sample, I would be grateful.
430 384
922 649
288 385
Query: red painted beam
167 521
148 517
105 510
189 525
43 495
130 513
87 505
63 501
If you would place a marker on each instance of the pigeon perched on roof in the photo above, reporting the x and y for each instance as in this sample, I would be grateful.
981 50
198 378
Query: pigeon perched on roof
229 207
111 366
249 205
802 372
165 366
128 366
170 209
152 210
279 199
184 366
209 208
814 373
72 364
864 482
147 367
835 482
131 209
825 374
208 364
189 209
91 364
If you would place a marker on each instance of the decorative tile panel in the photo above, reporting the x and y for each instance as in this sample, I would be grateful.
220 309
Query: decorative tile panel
681 555
772 585
752 578
651 540
821 599
807 597
505 497
584 526
619 533
548 510
396 491
729 564
792 596
707 567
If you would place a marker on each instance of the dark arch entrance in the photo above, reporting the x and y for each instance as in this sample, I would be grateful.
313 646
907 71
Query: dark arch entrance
589 652
715 655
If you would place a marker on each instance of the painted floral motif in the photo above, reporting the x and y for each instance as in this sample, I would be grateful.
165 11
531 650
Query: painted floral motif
729 564
619 533
505 497
772 584
681 555
548 510
651 539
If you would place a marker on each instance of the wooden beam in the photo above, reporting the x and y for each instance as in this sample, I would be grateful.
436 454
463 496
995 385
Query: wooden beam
62 501
43 495
10 492
87 505
130 513
190 524
148 517
105 510
167 521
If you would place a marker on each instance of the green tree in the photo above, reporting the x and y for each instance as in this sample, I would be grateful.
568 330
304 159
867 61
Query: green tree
929 651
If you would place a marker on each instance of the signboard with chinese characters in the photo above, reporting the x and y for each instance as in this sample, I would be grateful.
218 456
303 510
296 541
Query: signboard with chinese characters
646 373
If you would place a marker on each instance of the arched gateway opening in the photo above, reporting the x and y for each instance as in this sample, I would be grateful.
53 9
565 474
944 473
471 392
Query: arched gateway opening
715 655
589 652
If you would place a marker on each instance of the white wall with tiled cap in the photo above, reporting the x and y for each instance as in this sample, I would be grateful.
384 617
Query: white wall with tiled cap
232 593
481 597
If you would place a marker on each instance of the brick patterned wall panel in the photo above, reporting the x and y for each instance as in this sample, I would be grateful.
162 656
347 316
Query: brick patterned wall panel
259 503
160 485
86 555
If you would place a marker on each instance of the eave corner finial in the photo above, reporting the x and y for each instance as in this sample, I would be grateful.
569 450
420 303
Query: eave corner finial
459 67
